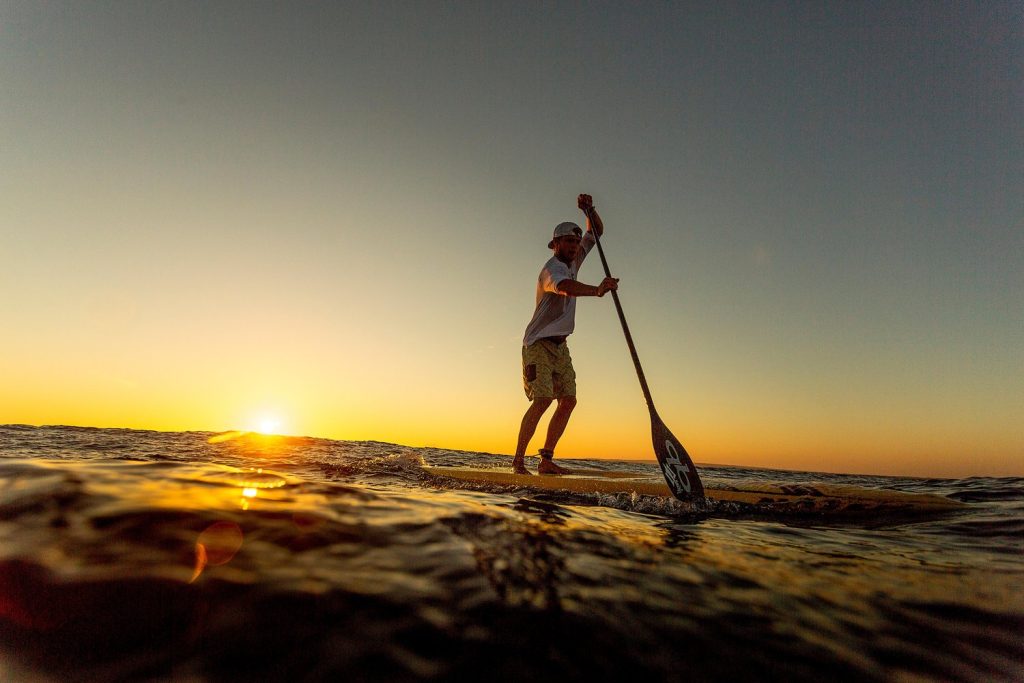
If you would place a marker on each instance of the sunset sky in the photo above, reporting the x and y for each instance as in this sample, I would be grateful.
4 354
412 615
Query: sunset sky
328 219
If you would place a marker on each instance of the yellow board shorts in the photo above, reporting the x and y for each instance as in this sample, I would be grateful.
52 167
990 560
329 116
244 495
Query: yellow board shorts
547 370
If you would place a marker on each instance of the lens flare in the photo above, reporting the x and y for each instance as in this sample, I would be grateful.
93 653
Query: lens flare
216 546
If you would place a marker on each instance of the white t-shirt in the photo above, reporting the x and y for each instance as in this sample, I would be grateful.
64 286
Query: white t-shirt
555 315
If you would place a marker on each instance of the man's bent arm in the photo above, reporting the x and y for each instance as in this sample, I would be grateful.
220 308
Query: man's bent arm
574 288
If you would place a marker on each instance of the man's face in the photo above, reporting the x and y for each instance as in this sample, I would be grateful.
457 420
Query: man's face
567 247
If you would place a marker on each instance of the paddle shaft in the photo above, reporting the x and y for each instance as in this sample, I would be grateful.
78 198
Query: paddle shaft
625 327
676 464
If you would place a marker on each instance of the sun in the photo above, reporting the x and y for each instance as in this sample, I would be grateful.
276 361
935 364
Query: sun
267 424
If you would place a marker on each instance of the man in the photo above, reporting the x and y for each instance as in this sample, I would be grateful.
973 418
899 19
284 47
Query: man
548 374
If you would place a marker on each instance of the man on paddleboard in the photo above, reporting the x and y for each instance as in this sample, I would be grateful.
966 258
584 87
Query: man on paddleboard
548 374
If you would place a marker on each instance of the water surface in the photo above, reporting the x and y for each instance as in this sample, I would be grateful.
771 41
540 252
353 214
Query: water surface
136 554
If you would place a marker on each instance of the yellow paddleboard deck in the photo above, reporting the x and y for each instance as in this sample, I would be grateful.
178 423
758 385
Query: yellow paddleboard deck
797 499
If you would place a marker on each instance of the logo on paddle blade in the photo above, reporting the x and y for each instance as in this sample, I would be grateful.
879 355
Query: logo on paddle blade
675 469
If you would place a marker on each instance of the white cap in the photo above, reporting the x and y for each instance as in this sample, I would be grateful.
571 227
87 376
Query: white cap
563 229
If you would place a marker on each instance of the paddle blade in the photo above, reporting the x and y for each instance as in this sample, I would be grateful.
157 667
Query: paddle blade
675 462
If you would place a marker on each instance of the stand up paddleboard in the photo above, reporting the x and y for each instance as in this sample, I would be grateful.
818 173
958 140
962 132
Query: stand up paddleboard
826 500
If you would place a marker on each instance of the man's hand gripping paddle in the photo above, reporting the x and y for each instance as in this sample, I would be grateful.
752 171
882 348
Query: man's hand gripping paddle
675 462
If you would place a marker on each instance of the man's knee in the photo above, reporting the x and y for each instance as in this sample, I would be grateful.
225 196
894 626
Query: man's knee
541 404
567 402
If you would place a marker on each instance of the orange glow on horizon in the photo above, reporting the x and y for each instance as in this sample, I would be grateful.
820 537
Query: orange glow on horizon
608 424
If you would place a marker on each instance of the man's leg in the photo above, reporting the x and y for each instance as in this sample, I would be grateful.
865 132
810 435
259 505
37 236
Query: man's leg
555 429
526 431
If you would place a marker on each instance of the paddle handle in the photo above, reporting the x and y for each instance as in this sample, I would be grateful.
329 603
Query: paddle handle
622 319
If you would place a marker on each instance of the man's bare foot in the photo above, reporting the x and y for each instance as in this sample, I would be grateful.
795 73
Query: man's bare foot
519 466
548 467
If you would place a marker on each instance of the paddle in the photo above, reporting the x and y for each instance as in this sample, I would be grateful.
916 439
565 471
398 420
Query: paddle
675 462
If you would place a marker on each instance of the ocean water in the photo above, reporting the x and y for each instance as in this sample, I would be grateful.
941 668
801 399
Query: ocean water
129 555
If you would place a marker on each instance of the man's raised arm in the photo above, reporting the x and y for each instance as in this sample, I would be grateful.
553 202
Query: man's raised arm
594 223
